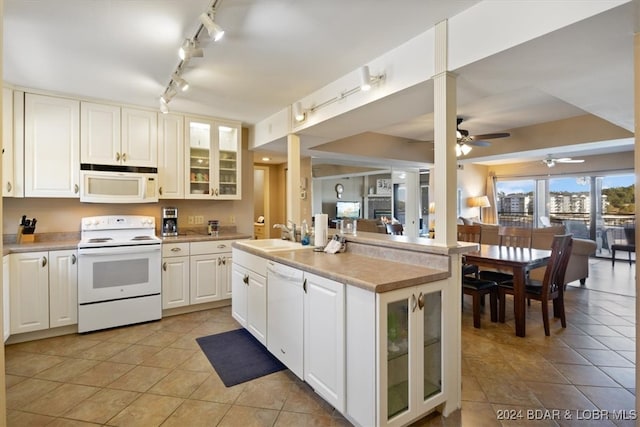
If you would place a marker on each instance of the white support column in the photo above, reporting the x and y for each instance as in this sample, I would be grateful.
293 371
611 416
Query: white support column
444 121
293 179
636 114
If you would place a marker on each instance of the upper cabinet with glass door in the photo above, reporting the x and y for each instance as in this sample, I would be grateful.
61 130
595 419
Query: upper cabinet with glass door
213 159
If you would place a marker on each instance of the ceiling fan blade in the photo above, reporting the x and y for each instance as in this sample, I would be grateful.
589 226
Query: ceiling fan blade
478 143
569 160
491 135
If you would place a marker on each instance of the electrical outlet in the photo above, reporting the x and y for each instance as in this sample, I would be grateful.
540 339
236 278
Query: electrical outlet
199 219
190 220
232 219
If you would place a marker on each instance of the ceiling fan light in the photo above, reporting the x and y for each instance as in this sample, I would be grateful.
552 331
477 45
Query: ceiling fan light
215 31
465 149
365 78
458 150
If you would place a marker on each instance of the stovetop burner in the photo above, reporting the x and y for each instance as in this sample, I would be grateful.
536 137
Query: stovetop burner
99 239
124 230
143 238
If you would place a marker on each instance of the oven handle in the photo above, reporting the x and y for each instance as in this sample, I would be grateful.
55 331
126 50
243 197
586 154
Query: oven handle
118 250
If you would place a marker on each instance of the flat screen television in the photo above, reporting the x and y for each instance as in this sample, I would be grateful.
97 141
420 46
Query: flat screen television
347 209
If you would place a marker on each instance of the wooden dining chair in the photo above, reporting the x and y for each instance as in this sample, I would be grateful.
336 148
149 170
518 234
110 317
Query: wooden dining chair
469 233
513 237
478 288
396 229
552 286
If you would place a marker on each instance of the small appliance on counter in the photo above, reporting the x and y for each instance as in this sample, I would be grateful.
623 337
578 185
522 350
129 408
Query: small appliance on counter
169 222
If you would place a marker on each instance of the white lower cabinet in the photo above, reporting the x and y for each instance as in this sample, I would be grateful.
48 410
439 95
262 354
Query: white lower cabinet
43 290
175 275
196 272
324 338
405 354
249 288
285 299
6 306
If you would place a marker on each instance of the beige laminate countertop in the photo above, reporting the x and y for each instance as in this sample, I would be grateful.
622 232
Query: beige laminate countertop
66 243
373 274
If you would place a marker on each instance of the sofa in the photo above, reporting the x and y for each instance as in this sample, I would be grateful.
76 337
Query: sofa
541 238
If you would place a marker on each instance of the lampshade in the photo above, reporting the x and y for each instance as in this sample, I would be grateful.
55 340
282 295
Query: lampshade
479 202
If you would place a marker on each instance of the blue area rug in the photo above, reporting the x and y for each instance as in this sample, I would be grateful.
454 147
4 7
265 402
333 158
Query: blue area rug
238 357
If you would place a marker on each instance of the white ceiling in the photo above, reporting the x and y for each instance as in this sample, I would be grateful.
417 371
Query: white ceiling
276 52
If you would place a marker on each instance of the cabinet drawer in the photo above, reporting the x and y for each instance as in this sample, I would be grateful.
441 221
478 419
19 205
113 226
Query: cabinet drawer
250 262
175 249
212 247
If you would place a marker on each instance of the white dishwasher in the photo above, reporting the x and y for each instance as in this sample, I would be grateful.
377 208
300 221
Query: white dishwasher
285 300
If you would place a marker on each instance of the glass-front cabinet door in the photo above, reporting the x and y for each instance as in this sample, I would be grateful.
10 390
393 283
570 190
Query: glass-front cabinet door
213 159
411 366
227 178
199 158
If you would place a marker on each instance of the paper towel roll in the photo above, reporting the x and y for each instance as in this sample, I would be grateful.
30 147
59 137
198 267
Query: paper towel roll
321 229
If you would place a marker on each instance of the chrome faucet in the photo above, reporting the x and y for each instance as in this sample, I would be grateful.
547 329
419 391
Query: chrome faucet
288 233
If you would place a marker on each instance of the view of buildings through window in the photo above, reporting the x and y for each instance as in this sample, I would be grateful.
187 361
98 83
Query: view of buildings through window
590 207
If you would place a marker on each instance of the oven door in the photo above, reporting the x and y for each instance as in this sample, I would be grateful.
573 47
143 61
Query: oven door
112 273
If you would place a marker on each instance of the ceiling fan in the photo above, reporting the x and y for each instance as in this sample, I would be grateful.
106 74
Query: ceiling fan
551 161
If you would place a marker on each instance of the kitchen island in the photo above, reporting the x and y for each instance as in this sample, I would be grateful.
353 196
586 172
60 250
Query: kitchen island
374 330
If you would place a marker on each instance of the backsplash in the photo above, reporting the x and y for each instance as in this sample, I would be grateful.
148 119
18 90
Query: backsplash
64 215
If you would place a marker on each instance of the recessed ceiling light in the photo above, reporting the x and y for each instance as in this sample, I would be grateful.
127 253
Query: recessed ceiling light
266 159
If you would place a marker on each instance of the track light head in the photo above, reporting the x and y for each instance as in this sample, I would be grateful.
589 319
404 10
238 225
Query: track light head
365 78
214 30
164 108
180 83
190 49
298 113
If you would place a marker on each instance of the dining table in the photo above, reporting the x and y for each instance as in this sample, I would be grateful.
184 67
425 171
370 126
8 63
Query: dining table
517 260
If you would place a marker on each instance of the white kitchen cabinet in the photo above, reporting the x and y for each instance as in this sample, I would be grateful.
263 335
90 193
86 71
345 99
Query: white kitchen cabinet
249 289
63 288
6 304
99 134
171 156
51 146
225 275
29 292
7 143
139 137
111 135
208 270
175 275
324 338
213 159
285 301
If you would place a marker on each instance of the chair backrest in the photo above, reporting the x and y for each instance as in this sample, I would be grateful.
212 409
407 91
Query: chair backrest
469 233
396 229
519 237
371 226
553 280
630 235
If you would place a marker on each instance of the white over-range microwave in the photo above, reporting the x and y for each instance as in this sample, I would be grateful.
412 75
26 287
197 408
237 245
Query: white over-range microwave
118 184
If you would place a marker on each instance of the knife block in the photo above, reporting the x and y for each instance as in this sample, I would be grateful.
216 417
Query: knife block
29 237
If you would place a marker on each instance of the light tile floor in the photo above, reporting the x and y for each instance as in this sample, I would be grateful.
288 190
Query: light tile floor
155 374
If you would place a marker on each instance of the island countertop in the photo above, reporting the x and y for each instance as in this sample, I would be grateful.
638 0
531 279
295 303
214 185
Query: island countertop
375 272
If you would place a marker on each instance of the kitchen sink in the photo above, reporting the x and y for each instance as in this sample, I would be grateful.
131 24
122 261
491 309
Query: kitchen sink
272 245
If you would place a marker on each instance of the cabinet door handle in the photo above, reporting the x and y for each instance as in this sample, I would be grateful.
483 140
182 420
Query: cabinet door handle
164 266
421 300
124 157
176 249
76 188
44 261
217 193
73 259
224 260
219 261
9 187
160 191
117 156
222 246
414 303
304 285
211 192
245 279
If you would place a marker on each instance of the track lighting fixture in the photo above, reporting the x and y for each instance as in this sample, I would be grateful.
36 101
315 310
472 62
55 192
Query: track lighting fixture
190 49
366 82
214 30
180 83
164 107
298 113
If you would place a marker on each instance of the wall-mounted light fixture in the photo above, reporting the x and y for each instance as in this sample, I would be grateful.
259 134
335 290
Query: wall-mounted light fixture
366 82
